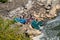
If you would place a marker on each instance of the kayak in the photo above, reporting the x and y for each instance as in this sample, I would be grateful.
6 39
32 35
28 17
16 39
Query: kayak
21 20
36 25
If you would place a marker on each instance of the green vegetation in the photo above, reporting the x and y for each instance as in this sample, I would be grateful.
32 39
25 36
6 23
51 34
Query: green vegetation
3 1
6 33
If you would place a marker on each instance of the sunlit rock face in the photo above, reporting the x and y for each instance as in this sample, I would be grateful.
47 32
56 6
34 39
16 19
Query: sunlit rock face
42 8
10 0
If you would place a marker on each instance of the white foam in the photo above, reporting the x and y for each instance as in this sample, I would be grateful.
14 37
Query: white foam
38 37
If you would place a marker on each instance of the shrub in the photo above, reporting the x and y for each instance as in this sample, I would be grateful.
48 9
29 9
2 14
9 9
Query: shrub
3 1
6 33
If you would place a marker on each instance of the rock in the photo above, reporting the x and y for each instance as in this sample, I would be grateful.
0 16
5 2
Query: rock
29 4
36 15
19 24
49 2
58 6
10 0
34 32
39 37
47 11
35 8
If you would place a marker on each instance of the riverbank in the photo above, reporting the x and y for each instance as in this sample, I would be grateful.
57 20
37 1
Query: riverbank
32 10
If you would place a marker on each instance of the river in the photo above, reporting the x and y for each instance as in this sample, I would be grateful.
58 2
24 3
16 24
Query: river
48 34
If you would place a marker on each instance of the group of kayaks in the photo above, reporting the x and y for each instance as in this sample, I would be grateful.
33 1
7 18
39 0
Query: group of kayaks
35 24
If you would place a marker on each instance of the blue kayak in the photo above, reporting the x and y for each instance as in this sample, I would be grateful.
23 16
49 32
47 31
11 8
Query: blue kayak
36 25
21 20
